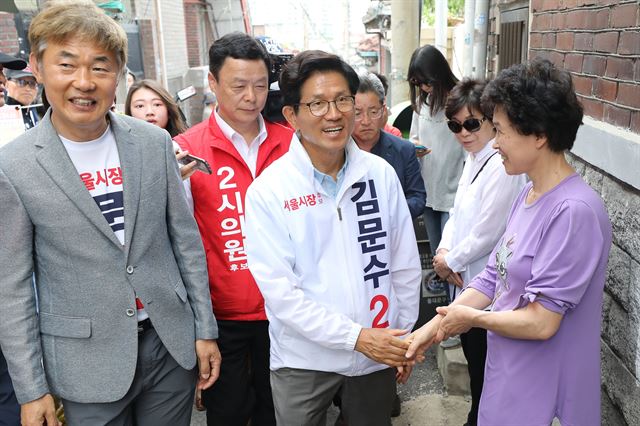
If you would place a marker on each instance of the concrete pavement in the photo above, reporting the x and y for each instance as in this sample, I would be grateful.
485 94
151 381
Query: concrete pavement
424 401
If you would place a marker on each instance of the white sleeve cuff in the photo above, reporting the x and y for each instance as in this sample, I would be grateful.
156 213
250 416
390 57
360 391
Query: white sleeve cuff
352 338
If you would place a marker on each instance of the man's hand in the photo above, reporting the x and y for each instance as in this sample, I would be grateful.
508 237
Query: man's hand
403 373
382 345
421 339
188 169
38 412
457 319
209 360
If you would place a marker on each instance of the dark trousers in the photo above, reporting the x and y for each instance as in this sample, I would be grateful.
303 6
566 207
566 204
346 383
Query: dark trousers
434 222
9 408
161 393
243 391
474 346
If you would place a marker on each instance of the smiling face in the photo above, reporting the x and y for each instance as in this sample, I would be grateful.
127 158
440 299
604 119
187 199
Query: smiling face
80 79
473 142
520 153
241 90
329 134
148 106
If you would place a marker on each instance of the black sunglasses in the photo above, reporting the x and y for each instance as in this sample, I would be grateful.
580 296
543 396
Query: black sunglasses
470 124
417 82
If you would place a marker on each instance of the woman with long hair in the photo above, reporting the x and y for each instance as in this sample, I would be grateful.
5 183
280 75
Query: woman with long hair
149 101
441 157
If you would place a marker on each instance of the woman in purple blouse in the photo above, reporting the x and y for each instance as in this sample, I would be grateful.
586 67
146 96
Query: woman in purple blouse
544 279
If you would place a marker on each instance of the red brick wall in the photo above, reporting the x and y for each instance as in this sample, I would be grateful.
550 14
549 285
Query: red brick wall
598 41
193 11
147 45
8 34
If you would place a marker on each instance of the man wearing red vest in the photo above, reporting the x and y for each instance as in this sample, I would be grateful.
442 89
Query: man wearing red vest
238 144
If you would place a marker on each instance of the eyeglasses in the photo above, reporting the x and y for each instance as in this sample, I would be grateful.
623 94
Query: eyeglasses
373 113
321 108
417 82
470 124
22 83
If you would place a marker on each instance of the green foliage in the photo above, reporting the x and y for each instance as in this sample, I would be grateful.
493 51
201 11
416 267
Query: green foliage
456 8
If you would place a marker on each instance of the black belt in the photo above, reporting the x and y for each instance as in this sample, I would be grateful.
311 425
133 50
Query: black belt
144 325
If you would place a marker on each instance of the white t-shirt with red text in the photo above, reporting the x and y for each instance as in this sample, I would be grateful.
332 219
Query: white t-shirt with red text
98 164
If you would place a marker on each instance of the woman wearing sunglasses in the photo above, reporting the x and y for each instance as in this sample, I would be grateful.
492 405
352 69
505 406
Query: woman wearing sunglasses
478 218
545 278
430 80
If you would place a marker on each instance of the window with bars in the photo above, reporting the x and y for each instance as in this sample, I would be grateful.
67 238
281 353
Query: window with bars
513 38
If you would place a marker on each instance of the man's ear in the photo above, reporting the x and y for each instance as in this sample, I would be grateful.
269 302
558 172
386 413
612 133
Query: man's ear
290 115
34 64
212 81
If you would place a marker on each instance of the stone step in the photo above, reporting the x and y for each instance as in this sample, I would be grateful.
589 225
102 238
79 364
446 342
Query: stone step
453 368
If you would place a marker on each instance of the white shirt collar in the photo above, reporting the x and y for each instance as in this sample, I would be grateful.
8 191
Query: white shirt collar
233 136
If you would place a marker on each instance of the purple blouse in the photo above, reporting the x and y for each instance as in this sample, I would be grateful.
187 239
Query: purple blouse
554 251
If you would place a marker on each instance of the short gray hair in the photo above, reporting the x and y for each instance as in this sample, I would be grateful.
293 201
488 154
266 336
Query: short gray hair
369 82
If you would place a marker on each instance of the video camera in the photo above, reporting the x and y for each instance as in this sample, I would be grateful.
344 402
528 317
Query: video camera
273 108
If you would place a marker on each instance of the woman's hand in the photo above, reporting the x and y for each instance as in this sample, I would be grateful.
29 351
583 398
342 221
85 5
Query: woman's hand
455 278
420 152
188 169
440 265
421 339
457 319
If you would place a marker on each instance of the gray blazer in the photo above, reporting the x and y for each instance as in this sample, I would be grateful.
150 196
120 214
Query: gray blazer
86 330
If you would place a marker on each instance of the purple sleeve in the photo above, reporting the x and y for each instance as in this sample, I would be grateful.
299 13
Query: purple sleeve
485 281
567 255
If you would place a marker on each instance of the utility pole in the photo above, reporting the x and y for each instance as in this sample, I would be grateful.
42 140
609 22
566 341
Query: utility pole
405 38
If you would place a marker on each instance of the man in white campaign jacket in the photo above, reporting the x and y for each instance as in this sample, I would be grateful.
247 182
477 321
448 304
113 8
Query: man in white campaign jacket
330 242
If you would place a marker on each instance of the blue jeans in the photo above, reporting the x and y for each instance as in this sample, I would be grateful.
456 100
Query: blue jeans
434 221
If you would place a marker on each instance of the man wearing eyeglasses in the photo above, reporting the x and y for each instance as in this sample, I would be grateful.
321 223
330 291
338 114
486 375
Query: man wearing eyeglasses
369 136
22 90
331 245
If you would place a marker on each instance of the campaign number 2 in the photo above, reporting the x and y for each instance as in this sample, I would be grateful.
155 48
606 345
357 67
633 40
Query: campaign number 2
224 182
379 299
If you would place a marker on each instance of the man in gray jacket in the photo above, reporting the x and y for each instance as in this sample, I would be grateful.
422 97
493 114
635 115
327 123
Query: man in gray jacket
93 204
9 409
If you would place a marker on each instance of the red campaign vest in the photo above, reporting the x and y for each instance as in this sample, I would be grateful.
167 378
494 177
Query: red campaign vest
219 211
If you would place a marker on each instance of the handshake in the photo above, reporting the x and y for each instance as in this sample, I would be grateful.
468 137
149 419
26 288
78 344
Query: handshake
387 346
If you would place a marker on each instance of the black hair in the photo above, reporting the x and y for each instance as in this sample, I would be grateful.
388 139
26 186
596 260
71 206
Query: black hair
304 65
538 99
466 94
236 45
429 66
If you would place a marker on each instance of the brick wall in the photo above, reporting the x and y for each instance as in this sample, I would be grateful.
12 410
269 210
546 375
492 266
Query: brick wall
8 34
598 41
175 40
193 12
150 62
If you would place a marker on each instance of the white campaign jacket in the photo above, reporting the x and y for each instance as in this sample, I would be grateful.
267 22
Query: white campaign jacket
479 215
327 268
